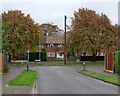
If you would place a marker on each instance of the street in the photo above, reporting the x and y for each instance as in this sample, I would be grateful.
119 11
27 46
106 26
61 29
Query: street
65 80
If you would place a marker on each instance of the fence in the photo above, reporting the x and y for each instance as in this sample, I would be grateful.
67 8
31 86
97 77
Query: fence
109 62
1 63
5 60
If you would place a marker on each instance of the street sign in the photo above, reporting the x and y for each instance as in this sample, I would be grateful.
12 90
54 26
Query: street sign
28 51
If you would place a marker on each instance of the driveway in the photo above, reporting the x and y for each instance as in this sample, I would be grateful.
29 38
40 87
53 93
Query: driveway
65 80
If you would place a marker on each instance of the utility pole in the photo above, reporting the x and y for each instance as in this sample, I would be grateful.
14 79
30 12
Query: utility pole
65 49
39 48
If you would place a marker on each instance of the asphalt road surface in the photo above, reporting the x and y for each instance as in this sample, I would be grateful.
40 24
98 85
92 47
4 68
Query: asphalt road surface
65 80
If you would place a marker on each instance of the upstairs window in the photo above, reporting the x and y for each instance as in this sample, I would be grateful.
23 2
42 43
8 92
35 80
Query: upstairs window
50 45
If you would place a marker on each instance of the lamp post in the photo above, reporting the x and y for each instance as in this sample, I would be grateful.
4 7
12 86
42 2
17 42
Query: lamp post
28 51
39 48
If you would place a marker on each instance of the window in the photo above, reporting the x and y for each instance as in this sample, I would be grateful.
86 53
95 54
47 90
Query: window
61 54
51 54
60 45
50 45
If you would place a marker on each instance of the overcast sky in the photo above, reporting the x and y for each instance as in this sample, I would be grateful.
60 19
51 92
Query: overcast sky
45 11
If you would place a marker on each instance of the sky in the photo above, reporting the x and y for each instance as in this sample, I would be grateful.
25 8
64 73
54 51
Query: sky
47 11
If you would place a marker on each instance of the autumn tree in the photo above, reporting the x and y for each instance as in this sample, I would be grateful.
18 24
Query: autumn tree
48 29
91 32
20 32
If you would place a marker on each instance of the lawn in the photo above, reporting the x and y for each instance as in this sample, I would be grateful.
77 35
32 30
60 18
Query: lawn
25 78
101 76
25 63
78 63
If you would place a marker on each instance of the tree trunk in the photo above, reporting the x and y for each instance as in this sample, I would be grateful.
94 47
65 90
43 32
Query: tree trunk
9 58
94 57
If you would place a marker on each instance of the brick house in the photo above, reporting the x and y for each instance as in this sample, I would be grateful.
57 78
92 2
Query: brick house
54 47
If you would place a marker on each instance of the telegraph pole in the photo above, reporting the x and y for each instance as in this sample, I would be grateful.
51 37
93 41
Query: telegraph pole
65 49
39 48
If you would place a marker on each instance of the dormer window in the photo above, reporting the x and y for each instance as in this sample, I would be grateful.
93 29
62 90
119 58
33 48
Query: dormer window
50 45
59 45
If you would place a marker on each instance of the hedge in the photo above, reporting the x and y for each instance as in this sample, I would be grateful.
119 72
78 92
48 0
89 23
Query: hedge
117 62
35 56
91 58
6 68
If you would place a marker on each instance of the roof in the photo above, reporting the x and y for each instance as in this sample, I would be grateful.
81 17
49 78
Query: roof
55 40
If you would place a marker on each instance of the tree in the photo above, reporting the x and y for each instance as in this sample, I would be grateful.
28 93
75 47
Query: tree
48 29
20 32
91 32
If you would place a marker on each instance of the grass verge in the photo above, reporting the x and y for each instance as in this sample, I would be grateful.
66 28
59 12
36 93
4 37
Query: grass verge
25 78
101 76
79 63
25 63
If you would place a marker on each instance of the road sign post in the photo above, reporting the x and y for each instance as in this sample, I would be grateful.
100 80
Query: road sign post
28 60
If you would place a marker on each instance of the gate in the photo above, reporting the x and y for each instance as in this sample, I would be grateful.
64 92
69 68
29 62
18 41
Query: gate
109 62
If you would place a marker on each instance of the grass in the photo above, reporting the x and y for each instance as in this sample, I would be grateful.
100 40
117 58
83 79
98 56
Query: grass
101 76
57 63
25 63
25 78
78 63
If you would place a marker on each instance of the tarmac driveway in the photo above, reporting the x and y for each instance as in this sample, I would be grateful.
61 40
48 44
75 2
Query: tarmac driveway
65 80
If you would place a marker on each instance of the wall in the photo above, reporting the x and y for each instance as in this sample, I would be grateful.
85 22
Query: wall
1 63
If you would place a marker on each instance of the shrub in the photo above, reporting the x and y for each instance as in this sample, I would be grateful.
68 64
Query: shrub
43 56
6 68
35 55
117 62
91 58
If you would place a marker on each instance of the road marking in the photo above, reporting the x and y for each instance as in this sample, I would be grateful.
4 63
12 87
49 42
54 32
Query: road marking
35 89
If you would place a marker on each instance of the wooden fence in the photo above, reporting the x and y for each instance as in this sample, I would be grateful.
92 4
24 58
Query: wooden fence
1 63
109 62
4 59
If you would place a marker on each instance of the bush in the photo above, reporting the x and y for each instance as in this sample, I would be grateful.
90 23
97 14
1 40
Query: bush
91 58
117 62
43 56
6 68
35 55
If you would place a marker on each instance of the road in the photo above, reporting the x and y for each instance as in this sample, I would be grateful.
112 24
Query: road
65 80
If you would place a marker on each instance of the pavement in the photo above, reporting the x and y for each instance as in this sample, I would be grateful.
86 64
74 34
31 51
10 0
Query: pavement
7 89
59 80
0 84
100 69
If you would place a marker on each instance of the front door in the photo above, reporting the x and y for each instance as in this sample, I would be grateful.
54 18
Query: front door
60 55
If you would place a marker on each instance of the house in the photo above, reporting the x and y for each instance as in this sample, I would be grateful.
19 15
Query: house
54 46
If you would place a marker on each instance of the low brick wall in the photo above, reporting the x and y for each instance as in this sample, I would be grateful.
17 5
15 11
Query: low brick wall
1 63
